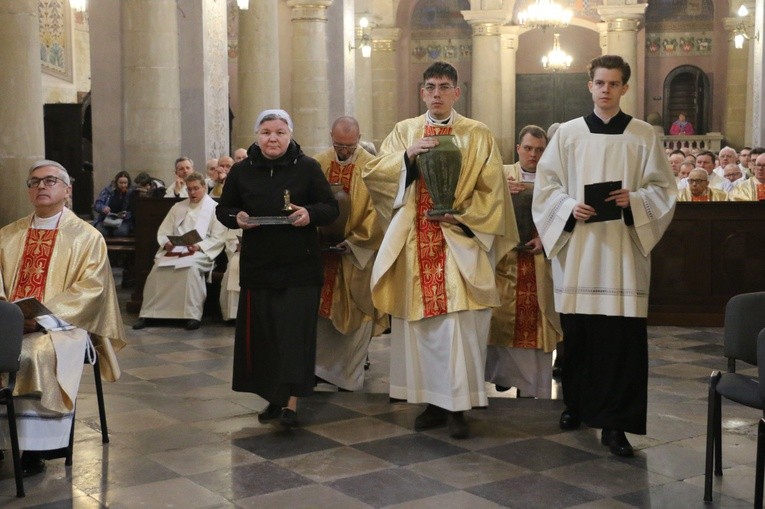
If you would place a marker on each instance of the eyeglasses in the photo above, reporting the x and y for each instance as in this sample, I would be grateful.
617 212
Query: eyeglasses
759 165
443 88
338 146
696 181
49 181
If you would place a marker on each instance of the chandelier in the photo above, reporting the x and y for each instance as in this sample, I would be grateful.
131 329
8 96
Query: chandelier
543 14
556 59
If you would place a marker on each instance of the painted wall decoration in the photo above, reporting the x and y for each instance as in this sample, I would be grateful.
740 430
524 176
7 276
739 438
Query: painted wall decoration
55 38
442 49
673 44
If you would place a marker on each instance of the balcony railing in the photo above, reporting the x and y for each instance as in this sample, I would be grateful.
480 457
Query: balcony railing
709 141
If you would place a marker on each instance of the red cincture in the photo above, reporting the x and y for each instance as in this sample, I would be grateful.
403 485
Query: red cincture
33 271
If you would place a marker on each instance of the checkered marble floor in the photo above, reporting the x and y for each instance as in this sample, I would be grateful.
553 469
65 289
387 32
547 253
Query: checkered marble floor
181 438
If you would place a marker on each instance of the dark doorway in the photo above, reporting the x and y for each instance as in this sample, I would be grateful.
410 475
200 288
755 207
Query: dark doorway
544 99
686 90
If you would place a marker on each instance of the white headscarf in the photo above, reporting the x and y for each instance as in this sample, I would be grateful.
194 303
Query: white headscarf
277 113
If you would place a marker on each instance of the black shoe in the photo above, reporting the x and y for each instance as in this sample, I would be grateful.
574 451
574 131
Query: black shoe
617 442
140 324
432 417
32 463
193 324
270 413
501 388
458 426
557 372
288 418
569 420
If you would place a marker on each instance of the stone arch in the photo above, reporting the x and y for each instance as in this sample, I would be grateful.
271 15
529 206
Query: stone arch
687 90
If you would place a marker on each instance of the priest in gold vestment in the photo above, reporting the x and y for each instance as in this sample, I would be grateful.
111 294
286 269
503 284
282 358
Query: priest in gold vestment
435 274
62 261
698 189
753 188
347 318
525 329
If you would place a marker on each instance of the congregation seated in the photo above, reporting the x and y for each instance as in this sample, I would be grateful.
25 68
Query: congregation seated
211 169
698 189
229 286
146 185
184 167
752 189
706 161
240 154
175 287
221 172
733 173
115 217
685 169
73 279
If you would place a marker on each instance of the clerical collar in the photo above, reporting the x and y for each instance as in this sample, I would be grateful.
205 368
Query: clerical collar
448 121
46 223
616 124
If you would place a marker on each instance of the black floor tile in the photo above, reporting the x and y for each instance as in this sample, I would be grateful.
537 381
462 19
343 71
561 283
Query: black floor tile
284 443
538 454
249 480
388 487
534 491
408 449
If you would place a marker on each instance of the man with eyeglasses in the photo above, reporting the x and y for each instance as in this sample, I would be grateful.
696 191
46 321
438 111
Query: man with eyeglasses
62 261
752 189
601 268
347 319
525 329
706 160
698 189
434 274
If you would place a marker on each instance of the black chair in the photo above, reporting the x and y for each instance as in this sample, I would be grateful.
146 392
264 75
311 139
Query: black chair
11 335
744 321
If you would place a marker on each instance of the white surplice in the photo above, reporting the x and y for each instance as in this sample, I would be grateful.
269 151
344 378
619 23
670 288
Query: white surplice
229 285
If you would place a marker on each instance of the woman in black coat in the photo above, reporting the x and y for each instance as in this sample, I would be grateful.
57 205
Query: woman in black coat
280 265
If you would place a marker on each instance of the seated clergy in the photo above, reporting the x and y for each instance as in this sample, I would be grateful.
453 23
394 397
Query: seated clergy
229 286
733 173
752 189
62 261
175 287
698 188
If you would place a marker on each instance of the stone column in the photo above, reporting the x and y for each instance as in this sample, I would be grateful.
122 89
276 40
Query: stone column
487 67
758 75
257 67
21 107
151 103
310 86
623 22
364 88
508 53
736 90
203 58
384 82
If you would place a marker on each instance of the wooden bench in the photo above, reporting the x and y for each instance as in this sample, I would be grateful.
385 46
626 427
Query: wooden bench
125 248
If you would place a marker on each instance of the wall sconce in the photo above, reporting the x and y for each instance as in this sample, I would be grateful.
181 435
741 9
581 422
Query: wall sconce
79 5
364 39
243 4
741 32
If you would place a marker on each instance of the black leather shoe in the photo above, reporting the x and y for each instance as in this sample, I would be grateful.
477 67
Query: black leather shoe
193 324
557 372
501 388
32 463
288 418
569 420
432 417
140 324
270 413
617 442
458 426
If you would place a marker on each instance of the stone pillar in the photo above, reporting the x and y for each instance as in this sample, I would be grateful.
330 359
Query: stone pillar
736 90
21 107
257 67
623 22
384 82
310 86
203 58
151 103
758 75
487 67
364 88
509 49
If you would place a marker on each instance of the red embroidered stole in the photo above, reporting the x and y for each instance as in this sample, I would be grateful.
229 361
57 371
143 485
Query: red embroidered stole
33 270
760 192
431 245
703 197
526 303
342 174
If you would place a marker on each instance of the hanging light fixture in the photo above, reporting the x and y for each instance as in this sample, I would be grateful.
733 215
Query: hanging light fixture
243 4
545 14
364 39
556 59
742 31
79 5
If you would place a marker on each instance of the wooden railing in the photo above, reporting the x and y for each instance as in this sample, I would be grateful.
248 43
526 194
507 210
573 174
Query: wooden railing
709 141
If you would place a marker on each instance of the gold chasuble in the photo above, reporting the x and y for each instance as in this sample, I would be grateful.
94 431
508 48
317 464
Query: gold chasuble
67 270
345 296
750 189
711 194
425 268
526 317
